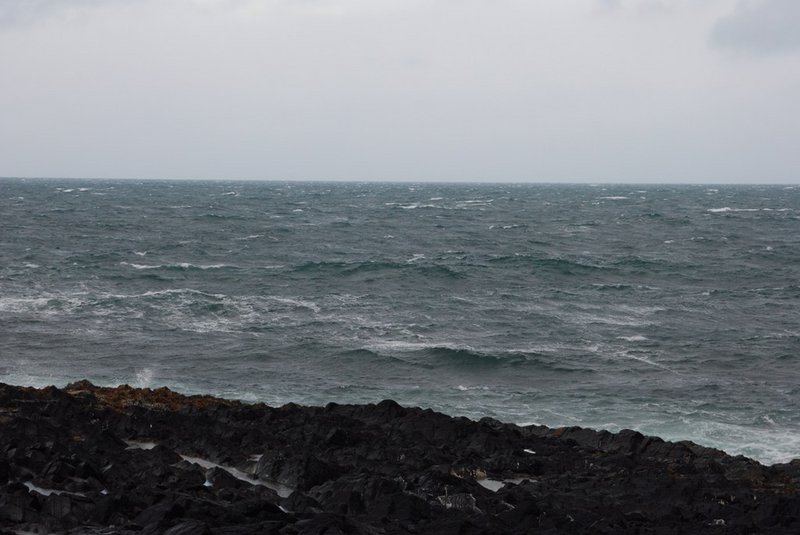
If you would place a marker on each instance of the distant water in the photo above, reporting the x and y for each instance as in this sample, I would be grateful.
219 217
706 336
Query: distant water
671 310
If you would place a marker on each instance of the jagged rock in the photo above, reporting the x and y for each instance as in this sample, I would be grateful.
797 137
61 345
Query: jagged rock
222 479
365 469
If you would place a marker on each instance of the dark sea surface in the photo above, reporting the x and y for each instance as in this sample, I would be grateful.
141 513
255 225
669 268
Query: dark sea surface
673 310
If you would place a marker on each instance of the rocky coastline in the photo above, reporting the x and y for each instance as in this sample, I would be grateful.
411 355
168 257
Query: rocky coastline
95 460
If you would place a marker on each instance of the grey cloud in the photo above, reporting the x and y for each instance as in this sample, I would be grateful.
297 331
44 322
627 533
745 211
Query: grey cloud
761 27
27 12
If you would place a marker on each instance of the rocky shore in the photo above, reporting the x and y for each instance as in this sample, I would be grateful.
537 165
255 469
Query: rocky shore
86 459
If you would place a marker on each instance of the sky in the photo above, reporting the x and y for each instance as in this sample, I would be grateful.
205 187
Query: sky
453 90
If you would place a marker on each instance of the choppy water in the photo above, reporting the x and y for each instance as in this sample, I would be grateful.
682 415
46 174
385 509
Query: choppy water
669 309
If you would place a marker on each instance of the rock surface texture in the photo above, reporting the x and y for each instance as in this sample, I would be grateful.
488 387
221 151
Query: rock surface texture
86 459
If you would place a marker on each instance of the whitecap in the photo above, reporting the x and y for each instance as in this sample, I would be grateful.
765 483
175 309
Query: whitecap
645 360
768 419
182 265
463 388
140 266
402 345
31 265
613 198
140 253
414 258
729 209
300 303
230 193
634 338
45 305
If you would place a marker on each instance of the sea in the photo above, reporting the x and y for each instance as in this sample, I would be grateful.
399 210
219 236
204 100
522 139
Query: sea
670 309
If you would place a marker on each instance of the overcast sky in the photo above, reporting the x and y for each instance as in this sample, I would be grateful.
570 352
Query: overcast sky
492 90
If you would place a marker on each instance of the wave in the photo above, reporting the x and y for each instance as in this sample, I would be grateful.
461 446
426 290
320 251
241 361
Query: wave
634 338
372 266
182 266
726 209
465 357
214 215
564 266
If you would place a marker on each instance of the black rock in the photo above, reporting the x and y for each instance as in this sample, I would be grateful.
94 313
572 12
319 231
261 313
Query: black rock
366 469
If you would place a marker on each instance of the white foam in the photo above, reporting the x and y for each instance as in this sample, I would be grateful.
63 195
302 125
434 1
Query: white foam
645 360
143 378
301 303
463 388
140 253
613 198
229 193
140 266
182 265
31 265
585 318
634 338
729 209
402 345
414 258
48 305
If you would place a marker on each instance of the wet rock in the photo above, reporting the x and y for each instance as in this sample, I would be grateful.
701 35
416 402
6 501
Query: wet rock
189 527
356 469
222 479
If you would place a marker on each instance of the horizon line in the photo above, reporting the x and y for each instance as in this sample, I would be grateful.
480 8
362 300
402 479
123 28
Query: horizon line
412 181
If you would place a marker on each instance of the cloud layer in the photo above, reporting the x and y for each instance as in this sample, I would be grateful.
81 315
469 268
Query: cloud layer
762 27
393 89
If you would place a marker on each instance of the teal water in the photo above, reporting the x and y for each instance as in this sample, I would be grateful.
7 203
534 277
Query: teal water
673 310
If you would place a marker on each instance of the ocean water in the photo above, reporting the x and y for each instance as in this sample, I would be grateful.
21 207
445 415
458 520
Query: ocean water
673 310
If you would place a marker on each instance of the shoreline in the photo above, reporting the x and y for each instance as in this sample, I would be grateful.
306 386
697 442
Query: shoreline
88 459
